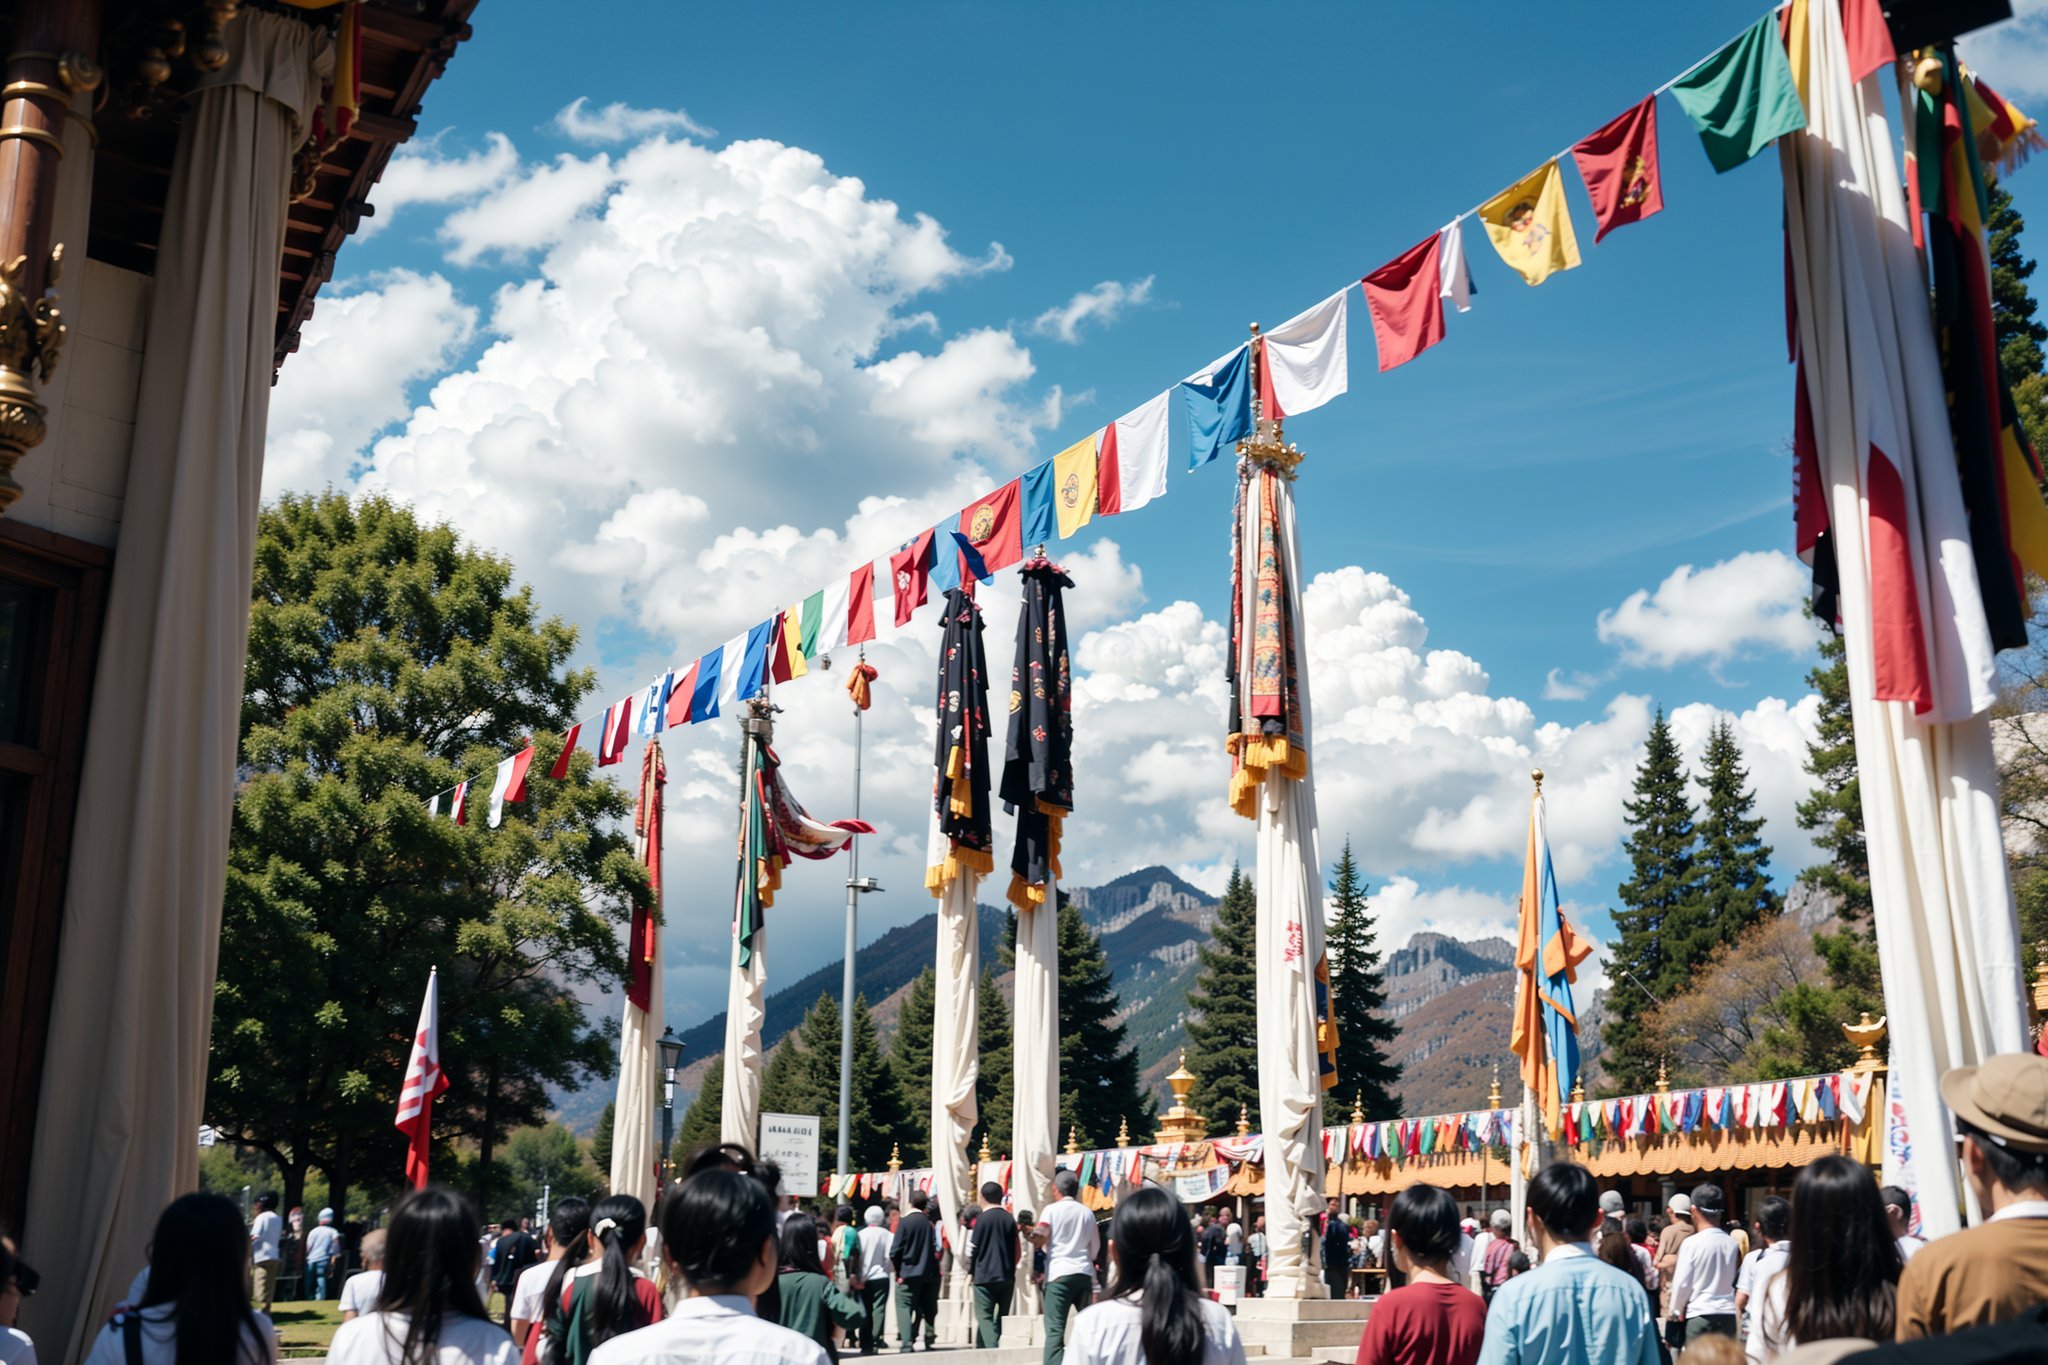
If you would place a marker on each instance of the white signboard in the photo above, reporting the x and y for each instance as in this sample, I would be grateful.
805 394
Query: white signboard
791 1142
1229 1285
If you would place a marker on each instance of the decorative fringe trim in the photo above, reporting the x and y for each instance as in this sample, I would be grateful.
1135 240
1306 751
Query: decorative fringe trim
941 875
1026 895
960 801
1257 756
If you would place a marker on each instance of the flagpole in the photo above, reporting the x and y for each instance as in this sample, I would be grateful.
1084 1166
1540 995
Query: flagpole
853 890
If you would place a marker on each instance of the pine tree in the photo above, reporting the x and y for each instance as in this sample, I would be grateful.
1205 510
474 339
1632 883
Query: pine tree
1099 1085
910 1062
1223 1020
703 1121
1358 994
1661 905
789 1086
1734 861
878 1113
2020 334
997 1082
1835 808
601 1144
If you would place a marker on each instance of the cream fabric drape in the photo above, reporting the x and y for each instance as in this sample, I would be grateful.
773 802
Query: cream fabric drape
1288 880
634 1147
125 1073
739 1110
1036 1047
956 1054
1947 937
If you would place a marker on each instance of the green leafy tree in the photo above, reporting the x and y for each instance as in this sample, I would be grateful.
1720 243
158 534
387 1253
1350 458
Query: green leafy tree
601 1144
1358 993
1660 907
1099 1072
1810 1040
388 660
704 1120
547 1158
1834 808
2020 334
910 1061
1734 861
1223 1020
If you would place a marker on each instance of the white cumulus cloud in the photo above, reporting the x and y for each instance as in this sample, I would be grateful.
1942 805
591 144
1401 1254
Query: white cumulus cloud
1714 615
420 174
618 122
1102 304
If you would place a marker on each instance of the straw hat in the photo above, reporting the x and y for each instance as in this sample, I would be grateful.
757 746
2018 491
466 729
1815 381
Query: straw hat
2006 1099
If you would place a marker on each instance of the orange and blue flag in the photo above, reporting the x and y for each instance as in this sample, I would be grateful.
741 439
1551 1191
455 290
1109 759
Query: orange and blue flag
1548 952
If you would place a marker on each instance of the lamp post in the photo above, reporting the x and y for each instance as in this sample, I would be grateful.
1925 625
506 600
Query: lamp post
856 886
671 1049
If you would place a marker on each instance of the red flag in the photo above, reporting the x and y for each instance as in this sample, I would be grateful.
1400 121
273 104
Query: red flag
1109 474
993 525
1868 39
424 1079
509 783
561 768
644 952
860 605
1619 165
1405 297
618 728
462 803
909 573
679 697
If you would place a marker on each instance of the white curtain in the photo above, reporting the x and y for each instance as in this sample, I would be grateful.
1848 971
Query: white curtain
1036 1045
125 1072
635 1149
1288 880
1947 937
956 1055
739 1112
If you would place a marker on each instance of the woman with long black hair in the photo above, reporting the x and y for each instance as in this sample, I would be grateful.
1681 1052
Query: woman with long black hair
1156 1312
808 1300
428 1311
1841 1278
196 1308
605 1296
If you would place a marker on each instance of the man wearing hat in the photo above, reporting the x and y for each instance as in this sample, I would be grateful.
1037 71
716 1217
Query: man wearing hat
1998 1270
321 1244
1679 1207
1703 1281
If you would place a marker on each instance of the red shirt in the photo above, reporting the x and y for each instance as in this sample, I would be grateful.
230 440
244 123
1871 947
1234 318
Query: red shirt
1424 1324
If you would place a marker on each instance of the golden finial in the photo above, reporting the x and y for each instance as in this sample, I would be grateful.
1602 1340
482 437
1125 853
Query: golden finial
1073 1141
1123 1131
1536 776
1358 1108
1579 1091
985 1155
1244 1122
895 1157
1663 1079
1864 1036
1181 1123
1493 1100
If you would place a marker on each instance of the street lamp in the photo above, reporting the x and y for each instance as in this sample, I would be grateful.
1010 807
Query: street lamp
671 1049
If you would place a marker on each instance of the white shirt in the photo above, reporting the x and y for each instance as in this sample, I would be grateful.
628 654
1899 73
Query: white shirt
1769 1335
717 1329
527 1292
1070 1239
2021 1208
264 1234
874 1253
1704 1281
1760 1263
1462 1259
359 1295
1109 1334
1910 1244
379 1338
320 1242
160 1342
16 1348
137 1287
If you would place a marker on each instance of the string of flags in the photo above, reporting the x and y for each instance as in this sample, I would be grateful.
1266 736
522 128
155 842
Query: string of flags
1739 99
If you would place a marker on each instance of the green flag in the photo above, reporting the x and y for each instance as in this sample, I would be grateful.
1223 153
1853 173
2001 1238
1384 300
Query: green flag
811 622
1742 98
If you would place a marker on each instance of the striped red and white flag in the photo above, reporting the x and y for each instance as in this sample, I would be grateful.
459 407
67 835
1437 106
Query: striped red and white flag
424 1079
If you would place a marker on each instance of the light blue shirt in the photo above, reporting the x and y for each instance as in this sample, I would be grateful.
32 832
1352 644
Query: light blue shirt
1574 1309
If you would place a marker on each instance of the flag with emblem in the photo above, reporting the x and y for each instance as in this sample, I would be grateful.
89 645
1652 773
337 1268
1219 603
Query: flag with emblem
1530 225
1619 165
909 574
993 526
1074 474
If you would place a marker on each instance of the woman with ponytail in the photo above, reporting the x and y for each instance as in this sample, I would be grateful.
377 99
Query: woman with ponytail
604 1296
1156 1312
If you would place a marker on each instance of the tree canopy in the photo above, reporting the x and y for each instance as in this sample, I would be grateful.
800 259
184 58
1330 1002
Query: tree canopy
1366 1075
1223 1021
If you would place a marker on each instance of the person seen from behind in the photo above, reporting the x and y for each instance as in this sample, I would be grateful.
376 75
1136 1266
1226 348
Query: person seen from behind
875 1239
17 1281
845 1250
1677 1227
1155 1312
359 1292
993 1260
1774 1218
1432 1319
322 1244
1898 1207
266 1248
586 1305
1067 1232
1840 1277
196 1308
566 1239
718 1241
1493 1264
512 1256
914 1252
809 1303
1703 1282
1999 1269
1574 1307
428 1311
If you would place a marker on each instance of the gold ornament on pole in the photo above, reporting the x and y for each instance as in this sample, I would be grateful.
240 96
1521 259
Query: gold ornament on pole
1181 1123
1244 1122
1864 1036
1358 1108
1123 1132
1663 1079
985 1156
895 1157
1073 1141
1493 1100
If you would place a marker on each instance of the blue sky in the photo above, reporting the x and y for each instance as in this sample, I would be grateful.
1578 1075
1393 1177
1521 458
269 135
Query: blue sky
1569 446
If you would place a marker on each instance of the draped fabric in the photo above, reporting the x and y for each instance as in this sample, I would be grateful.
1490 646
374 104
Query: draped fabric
960 786
1271 783
1038 784
634 1157
1547 957
133 997
1918 646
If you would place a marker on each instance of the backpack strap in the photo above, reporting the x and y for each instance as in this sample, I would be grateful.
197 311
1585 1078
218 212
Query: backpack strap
130 1324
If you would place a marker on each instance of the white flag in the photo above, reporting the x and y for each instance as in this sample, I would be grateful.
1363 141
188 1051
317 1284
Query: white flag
1310 356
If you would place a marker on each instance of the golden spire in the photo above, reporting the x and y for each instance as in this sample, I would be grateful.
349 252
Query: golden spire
895 1157
1536 776
1663 1079
1181 1123
1267 445
1864 1036
1358 1108
1073 1141
985 1156
1579 1090
1244 1121
1493 1100
1123 1131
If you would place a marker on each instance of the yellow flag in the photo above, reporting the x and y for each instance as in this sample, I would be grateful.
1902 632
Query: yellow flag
793 641
1531 226
1073 486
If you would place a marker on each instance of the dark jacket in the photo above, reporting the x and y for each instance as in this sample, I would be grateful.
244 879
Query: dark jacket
995 1247
812 1305
915 1252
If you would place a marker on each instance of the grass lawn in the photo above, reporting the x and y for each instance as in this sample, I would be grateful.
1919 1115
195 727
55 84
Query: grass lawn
306 1328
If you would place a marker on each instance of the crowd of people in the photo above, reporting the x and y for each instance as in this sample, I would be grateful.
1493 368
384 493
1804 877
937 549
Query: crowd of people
724 1273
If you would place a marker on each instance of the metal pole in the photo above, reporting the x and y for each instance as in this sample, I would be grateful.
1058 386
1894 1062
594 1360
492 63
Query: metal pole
846 981
668 1118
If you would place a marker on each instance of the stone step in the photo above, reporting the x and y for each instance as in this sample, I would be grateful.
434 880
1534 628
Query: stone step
1306 1310
1299 1338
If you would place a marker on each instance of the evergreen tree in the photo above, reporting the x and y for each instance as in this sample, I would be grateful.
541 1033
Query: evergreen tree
601 1144
1358 994
1223 1020
788 1085
1734 861
878 1113
803 1078
1099 1085
995 1086
1834 809
910 1061
702 1121
1660 907
2020 334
